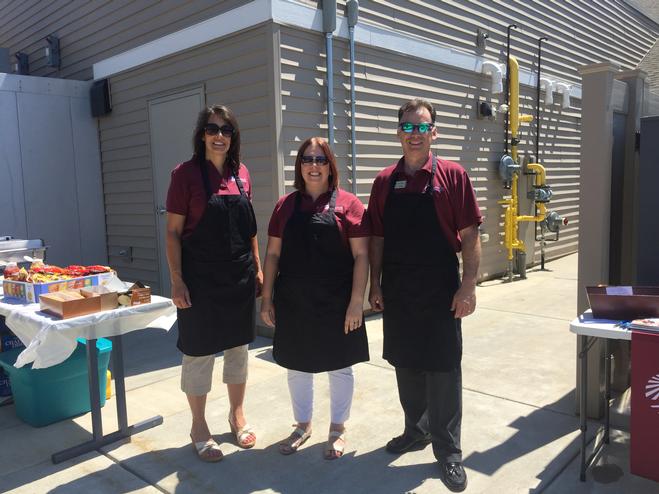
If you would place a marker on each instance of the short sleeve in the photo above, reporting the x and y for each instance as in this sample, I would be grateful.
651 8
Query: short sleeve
465 207
357 220
280 216
178 194
375 210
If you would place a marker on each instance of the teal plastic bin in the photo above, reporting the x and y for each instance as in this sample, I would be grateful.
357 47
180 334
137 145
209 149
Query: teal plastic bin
44 396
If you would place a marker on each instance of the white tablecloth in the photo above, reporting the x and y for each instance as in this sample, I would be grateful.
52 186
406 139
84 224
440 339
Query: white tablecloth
49 340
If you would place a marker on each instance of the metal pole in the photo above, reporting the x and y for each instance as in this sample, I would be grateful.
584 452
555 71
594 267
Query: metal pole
537 102
330 88
353 131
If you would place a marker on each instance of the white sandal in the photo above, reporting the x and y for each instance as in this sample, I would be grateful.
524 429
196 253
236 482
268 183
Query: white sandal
206 448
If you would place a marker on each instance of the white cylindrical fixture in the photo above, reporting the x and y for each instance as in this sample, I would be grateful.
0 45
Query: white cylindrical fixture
494 70
564 90
548 86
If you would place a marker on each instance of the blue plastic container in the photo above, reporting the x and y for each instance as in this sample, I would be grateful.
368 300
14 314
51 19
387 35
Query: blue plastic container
45 396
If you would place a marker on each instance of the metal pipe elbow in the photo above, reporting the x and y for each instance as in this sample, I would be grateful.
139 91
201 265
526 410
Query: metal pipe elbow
564 90
494 70
548 86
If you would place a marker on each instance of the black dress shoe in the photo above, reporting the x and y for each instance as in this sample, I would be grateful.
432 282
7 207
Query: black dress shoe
454 476
405 442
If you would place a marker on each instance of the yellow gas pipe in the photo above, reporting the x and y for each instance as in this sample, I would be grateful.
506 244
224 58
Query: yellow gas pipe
511 219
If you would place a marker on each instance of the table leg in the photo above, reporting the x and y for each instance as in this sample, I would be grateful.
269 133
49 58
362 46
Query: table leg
99 440
607 388
583 356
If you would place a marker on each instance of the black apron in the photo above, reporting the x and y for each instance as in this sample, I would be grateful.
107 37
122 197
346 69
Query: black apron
312 293
419 278
218 269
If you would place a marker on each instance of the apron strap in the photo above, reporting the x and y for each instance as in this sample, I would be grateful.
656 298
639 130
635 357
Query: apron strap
205 179
239 183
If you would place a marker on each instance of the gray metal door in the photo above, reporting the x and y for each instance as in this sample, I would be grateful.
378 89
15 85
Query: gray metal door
171 123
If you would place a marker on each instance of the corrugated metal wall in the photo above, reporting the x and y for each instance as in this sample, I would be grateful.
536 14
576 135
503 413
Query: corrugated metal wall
385 80
92 30
234 71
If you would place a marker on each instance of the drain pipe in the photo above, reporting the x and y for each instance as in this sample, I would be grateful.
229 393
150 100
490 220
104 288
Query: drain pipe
353 13
329 25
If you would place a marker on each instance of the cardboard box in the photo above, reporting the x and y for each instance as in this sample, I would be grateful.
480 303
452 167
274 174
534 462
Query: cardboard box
30 292
138 294
108 298
69 308
623 303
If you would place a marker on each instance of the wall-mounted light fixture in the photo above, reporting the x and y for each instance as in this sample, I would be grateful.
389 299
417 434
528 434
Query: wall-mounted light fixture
52 51
22 65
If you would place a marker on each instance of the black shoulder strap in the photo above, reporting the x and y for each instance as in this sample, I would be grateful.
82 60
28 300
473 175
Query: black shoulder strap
239 183
332 203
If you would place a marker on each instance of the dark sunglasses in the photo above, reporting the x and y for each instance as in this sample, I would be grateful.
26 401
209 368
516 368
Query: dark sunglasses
319 160
212 129
409 127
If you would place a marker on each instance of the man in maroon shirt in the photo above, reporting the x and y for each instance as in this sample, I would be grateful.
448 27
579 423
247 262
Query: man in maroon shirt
423 211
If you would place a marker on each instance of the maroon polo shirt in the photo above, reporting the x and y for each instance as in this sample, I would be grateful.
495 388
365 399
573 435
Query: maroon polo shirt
186 195
349 213
453 195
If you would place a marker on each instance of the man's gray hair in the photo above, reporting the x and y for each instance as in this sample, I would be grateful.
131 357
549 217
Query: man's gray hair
415 105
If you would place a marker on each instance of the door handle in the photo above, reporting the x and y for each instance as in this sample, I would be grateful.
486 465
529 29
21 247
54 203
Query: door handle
161 210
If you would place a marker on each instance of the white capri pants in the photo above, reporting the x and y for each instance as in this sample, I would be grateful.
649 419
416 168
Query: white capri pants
342 385
197 372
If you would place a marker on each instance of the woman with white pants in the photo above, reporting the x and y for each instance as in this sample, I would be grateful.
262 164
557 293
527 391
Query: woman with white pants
315 273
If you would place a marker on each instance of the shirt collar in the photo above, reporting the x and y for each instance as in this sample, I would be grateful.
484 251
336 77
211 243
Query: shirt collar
427 167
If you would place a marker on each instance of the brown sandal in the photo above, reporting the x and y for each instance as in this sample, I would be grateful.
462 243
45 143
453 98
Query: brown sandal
293 442
333 450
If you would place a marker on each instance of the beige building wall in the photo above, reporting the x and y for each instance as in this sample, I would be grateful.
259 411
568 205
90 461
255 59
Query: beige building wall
92 30
383 81
233 71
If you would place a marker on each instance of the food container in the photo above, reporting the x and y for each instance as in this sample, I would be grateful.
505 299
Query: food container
93 300
30 292
138 294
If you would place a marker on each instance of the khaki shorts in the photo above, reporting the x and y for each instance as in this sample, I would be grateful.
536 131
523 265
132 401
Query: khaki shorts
197 372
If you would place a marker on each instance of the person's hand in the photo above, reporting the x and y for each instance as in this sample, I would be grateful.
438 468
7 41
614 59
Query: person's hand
180 294
464 301
259 283
375 298
354 316
268 312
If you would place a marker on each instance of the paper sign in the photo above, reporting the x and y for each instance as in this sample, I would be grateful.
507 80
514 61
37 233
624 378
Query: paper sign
619 290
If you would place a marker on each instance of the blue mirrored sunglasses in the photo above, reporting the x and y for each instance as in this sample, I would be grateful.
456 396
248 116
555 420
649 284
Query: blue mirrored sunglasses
409 127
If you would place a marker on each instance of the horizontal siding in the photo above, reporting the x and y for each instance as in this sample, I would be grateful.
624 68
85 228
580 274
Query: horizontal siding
92 30
383 81
574 29
233 71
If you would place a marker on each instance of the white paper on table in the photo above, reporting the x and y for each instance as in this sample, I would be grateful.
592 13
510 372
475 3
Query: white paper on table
51 341
619 290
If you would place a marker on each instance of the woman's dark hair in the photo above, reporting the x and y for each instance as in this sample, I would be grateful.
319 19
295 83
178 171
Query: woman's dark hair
331 162
198 145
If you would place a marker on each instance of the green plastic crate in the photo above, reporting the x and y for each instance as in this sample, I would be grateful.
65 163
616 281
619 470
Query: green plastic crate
45 396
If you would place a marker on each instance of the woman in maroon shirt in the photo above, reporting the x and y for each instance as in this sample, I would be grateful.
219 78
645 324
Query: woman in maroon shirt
313 290
214 265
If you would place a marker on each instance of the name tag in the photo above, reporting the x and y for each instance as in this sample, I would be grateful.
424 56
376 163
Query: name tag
400 184
337 209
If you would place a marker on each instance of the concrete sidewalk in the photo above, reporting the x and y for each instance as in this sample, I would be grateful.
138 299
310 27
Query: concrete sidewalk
520 431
